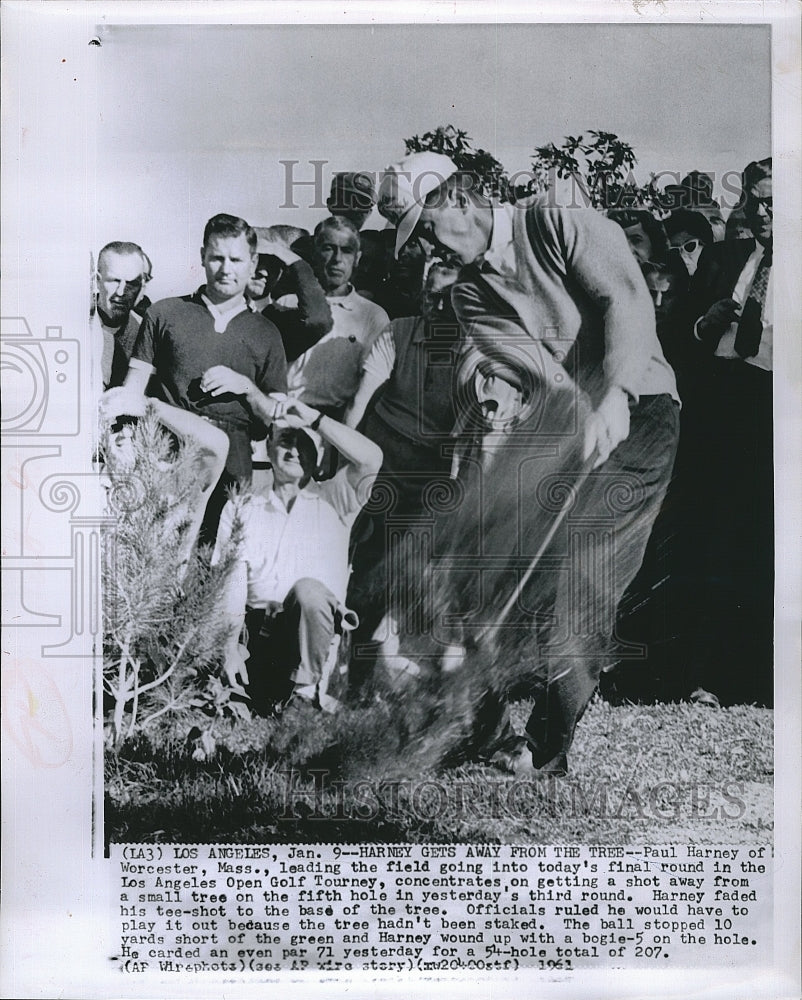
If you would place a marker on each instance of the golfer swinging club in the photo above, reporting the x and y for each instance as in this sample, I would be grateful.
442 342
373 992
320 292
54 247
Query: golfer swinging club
555 294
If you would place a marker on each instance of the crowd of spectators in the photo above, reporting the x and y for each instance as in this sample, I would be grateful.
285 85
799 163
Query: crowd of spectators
457 352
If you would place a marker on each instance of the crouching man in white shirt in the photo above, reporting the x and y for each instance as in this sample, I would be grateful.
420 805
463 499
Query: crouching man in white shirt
290 583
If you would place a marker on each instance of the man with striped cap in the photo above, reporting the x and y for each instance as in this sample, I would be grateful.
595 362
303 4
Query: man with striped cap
289 586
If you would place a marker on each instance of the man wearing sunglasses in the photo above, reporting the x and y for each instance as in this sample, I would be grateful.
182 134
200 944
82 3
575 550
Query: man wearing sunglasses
727 274
731 310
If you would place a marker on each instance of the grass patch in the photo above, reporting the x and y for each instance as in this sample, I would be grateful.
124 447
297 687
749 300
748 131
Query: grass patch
639 774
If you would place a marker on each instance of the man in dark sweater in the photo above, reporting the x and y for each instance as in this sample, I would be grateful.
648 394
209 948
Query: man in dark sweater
209 353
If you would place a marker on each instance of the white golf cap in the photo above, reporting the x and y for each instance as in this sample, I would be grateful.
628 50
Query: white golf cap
404 187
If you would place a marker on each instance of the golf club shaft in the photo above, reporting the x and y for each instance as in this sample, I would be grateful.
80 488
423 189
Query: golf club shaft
558 520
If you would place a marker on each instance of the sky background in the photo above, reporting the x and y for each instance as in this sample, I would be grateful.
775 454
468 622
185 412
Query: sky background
194 120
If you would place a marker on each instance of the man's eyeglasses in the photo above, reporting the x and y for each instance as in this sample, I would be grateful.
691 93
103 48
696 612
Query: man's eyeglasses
766 203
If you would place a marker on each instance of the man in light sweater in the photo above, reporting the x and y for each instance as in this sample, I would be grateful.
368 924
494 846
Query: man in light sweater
555 295
324 371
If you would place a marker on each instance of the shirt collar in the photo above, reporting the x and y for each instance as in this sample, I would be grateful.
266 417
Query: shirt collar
270 499
343 301
257 305
113 327
223 317
500 255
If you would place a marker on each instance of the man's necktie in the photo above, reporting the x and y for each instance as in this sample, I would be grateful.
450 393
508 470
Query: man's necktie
750 325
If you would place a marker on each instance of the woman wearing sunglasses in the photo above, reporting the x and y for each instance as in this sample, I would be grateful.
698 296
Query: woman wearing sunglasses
688 234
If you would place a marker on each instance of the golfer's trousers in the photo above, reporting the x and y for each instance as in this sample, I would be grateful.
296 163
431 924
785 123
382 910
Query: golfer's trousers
600 547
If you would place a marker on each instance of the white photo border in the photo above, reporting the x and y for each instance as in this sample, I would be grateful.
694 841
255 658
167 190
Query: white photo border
56 933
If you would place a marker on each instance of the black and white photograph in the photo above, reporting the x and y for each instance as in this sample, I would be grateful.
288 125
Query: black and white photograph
429 458
402 534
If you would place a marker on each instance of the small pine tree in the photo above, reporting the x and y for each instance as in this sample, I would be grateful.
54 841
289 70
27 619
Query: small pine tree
164 621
